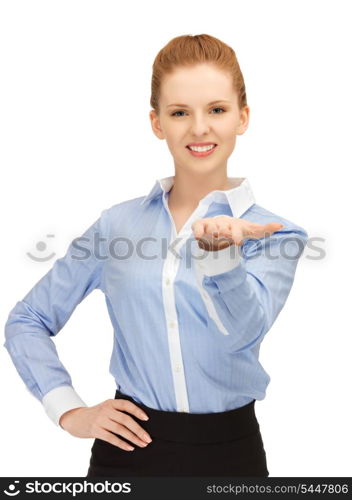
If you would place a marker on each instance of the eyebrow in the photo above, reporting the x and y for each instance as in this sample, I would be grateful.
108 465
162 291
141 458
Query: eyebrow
212 102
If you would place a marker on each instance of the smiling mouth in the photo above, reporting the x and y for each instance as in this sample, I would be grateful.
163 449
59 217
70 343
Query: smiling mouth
202 149
202 153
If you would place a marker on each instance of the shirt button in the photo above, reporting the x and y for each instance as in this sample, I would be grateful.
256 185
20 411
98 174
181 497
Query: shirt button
167 281
172 324
177 368
183 409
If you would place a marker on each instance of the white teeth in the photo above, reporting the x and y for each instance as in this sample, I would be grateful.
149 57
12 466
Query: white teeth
203 148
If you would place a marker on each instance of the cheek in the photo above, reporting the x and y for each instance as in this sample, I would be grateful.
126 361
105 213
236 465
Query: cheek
175 134
229 139
226 129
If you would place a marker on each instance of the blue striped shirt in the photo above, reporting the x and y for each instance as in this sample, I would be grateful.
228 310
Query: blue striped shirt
187 323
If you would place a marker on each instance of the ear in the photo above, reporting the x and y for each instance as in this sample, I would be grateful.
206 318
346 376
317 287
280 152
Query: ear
155 123
244 120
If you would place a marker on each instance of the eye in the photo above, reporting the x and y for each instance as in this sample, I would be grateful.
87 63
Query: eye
174 113
221 109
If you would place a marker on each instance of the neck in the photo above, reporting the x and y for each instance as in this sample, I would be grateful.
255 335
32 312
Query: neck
188 189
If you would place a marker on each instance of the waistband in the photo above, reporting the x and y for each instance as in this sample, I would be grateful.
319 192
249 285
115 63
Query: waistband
197 427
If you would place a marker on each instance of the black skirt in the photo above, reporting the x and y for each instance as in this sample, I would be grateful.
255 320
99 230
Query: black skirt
225 443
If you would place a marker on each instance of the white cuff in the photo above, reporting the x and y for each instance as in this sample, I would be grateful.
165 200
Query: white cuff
59 400
217 262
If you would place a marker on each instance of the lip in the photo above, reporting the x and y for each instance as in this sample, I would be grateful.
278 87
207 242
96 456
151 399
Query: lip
200 154
201 144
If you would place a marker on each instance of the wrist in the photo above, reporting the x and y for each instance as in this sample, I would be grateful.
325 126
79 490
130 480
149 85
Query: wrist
66 416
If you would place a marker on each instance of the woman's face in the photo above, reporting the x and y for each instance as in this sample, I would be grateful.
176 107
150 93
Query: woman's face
197 120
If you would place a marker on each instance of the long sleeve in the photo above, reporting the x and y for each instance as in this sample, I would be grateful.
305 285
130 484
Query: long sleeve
43 312
245 288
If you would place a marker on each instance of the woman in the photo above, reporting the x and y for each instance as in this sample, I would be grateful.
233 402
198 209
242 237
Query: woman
190 302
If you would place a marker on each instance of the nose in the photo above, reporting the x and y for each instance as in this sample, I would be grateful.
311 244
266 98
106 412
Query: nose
200 125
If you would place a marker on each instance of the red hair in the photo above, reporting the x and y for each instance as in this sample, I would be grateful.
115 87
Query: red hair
189 50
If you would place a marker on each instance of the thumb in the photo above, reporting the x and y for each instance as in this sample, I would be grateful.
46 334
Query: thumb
271 227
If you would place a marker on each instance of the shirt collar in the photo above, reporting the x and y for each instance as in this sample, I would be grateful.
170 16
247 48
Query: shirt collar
240 196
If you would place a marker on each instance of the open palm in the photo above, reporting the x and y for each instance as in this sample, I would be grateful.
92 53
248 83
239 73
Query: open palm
215 233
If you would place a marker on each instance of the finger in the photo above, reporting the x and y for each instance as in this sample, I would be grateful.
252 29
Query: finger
268 229
274 226
260 230
131 424
237 234
125 405
211 227
198 228
224 230
121 427
112 439
253 230
216 237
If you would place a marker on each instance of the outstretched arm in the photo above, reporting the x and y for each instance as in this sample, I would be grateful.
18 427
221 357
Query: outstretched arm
246 275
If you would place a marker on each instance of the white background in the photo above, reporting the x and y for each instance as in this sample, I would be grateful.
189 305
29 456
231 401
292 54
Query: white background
76 138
